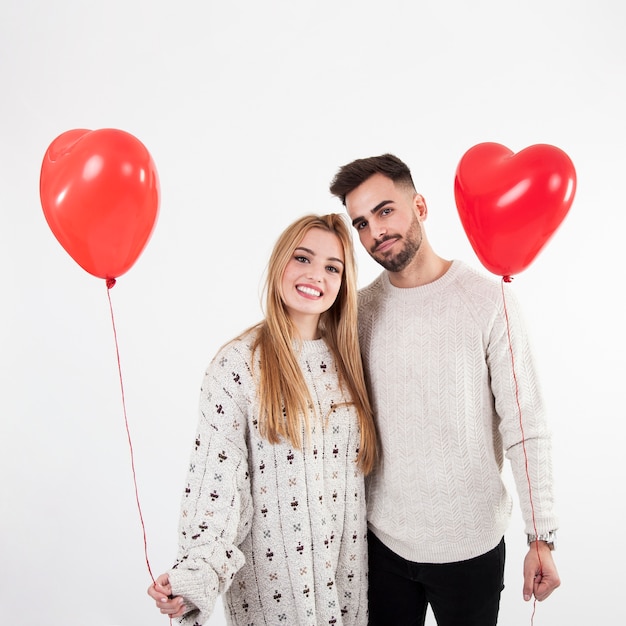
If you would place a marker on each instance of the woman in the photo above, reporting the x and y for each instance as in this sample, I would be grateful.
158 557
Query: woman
273 514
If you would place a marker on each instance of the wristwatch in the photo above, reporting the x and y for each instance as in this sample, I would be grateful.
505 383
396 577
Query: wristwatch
549 538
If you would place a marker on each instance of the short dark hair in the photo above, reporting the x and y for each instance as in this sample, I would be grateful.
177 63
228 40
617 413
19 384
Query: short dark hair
350 176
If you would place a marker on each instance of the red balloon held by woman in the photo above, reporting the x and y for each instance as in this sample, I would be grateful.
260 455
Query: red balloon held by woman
100 193
511 204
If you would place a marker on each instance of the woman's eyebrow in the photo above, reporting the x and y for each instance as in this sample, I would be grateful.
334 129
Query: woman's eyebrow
331 258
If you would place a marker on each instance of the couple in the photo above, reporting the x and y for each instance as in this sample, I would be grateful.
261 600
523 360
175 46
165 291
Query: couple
274 513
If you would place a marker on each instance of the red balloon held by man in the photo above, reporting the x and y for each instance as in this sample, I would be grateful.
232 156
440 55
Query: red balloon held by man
510 204
100 195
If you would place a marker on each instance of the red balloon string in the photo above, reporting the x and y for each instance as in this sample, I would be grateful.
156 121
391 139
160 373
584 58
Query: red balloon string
110 282
521 425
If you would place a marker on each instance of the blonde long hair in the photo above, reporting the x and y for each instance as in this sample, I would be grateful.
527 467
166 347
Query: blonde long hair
284 397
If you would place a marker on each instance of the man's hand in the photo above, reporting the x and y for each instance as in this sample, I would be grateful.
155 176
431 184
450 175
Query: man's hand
540 575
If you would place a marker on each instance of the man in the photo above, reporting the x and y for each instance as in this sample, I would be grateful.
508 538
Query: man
454 391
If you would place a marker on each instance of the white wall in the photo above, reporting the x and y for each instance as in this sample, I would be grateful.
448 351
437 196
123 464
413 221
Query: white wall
248 108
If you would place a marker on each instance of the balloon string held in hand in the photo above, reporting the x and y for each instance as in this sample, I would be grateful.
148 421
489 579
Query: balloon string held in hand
507 279
110 282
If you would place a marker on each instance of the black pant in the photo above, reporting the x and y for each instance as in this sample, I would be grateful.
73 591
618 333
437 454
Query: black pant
465 593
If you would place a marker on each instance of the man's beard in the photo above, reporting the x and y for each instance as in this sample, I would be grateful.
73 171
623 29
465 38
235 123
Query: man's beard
412 242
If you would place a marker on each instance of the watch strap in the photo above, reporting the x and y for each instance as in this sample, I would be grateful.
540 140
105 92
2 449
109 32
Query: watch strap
549 538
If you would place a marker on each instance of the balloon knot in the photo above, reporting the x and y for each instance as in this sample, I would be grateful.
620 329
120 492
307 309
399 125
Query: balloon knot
507 279
110 283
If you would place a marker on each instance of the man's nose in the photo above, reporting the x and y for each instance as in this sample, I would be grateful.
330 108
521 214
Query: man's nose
378 229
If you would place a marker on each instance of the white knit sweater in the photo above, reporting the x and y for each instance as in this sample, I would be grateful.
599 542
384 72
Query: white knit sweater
445 398
280 531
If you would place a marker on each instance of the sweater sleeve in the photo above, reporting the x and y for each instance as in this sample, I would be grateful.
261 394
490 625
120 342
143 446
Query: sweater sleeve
520 407
216 509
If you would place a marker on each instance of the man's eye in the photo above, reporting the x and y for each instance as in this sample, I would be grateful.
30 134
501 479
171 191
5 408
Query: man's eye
361 225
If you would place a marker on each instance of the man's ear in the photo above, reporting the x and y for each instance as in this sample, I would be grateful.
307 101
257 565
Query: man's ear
419 204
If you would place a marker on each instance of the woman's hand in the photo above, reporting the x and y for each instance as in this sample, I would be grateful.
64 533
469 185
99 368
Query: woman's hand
161 592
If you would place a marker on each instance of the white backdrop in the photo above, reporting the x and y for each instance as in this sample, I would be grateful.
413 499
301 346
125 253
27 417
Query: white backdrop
248 108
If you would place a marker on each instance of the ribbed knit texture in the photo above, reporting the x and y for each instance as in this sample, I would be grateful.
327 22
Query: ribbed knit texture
439 367
280 531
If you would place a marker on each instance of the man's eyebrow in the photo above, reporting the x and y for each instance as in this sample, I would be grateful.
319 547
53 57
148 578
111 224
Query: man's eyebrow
330 258
377 208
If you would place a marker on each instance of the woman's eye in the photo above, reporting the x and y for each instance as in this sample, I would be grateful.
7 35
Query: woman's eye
332 269
301 259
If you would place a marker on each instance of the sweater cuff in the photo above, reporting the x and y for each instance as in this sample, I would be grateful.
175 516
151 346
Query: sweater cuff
199 590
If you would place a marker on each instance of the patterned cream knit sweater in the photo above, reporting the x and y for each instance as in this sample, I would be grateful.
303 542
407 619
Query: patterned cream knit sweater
280 531
441 377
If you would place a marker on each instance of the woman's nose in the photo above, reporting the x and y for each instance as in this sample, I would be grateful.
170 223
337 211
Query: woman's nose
314 273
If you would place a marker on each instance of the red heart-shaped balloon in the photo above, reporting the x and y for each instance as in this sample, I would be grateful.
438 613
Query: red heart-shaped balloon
100 195
511 204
